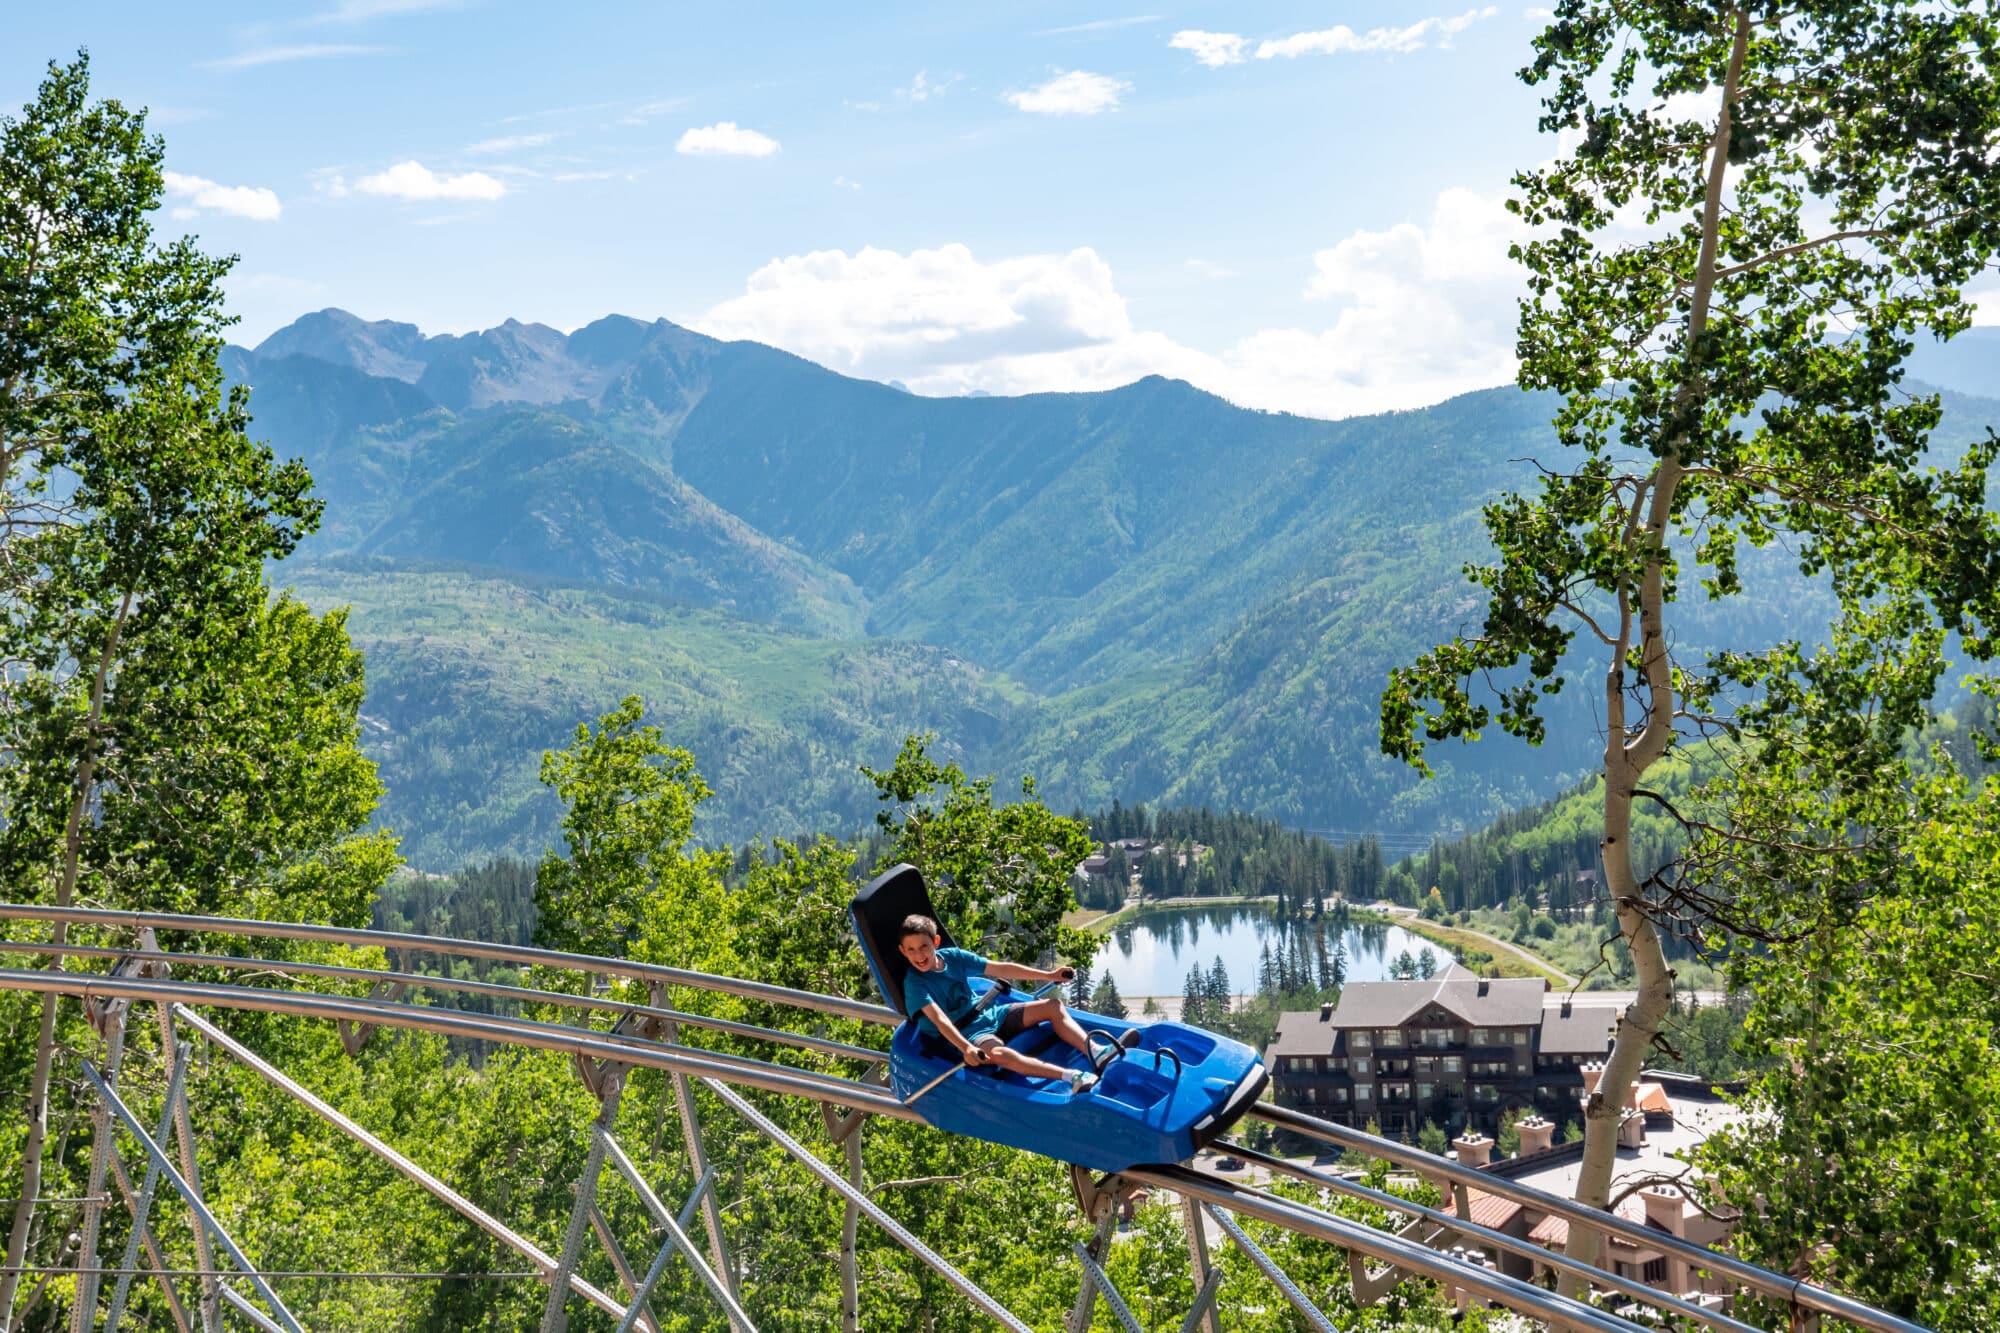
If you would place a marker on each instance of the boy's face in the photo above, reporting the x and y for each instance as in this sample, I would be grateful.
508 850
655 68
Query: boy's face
921 950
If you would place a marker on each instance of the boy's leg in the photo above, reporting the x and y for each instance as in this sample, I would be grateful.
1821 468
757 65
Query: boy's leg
1056 1014
999 1053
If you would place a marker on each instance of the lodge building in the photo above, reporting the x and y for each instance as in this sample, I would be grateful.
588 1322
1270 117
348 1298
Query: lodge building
1457 1049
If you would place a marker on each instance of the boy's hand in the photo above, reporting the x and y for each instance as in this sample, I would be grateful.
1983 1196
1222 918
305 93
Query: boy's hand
1065 973
974 1056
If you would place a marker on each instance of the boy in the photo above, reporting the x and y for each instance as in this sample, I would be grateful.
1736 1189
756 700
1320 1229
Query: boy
937 994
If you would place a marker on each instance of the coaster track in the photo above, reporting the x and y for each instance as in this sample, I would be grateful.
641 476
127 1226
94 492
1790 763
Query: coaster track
647 1036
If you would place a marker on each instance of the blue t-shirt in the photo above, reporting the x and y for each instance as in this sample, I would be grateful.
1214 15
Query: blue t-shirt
949 989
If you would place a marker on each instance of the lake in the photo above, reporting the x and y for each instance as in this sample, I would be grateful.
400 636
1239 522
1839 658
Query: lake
1151 954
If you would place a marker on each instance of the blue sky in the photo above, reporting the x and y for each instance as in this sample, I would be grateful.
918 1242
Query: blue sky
1297 206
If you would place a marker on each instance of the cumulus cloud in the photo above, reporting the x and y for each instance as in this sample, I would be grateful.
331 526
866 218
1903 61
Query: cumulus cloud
728 139
203 195
1076 93
843 183
1414 314
1341 38
413 180
1213 49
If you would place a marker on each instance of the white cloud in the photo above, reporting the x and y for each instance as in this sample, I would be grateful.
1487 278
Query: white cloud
1100 25
1208 268
413 180
1076 93
1213 49
243 201
888 315
508 143
921 88
842 183
1986 306
1341 38
1419 313
567 176
360 11
279 55
727 138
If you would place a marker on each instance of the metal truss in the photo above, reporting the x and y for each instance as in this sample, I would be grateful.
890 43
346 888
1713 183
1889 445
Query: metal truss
1441 1246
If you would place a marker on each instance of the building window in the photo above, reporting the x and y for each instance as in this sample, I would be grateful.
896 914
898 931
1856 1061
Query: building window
1423 1092
1388 1037
1451 1064
1358 1040
1363 1092
1656 1271
1361 1065
1520 1036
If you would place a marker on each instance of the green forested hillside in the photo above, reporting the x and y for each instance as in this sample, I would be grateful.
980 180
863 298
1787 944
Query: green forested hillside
472 675
1189 602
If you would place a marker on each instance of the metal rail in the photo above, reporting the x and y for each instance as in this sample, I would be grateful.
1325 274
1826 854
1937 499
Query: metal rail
428 981
1408 1254
1498 1240
1797 1291
452 1022
507 953
716 1068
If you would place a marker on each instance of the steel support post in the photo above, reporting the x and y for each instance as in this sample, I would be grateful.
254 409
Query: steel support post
677 1240
1086 1290
204 1248
847 1133
602 1226
142 1205
868 1206
1105 1288
436 1188
83 1314
711 1210
202 1217
1205 1302
1269 1267
154 1254
1200 1265
555 1315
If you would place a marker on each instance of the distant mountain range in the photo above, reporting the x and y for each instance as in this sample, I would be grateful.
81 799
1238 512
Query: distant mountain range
1144 592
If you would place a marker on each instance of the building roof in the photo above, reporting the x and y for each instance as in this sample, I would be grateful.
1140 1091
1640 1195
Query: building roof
1506 1001
1580 1032
1300 1032
1490 1210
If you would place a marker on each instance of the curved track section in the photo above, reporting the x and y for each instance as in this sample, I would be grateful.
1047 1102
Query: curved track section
654 1043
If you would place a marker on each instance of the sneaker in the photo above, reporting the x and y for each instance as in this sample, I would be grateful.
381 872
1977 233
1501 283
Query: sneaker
1127 1039
1081 1081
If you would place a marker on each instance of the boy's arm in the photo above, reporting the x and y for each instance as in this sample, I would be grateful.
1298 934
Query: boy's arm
1022 972
949 1031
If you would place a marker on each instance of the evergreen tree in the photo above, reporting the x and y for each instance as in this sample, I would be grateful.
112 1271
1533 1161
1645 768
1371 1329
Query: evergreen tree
1105 999
1194 997
1079 986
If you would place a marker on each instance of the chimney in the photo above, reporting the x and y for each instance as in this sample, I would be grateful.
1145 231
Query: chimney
1567 1001
1326 1011
1484 986
1592 1073
1632 1130
1473 1148
1537 1135
1663 1208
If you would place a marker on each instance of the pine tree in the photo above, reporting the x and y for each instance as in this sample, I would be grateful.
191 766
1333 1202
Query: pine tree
1105 999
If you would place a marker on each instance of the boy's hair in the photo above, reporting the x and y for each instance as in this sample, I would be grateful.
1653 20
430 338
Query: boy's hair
916 923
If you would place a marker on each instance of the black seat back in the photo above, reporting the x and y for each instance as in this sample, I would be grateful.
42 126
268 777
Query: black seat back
878 913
